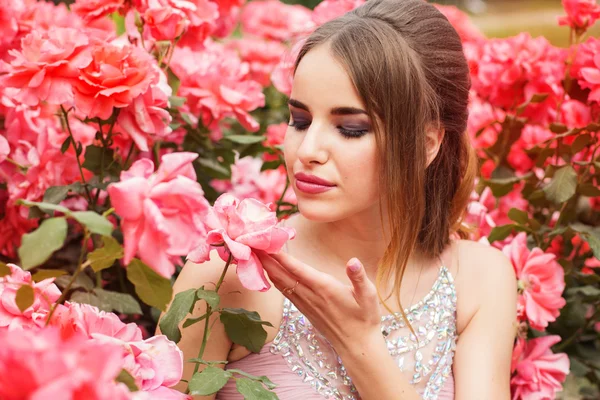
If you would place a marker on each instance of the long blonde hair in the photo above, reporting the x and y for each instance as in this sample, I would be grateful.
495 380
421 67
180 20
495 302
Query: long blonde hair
407 63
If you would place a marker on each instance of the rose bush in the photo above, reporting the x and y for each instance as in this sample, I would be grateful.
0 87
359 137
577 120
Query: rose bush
134 134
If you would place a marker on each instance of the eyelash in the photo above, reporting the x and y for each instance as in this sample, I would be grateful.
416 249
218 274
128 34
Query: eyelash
348 134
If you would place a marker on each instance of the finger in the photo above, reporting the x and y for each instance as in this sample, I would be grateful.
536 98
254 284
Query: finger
278 275
303 272
365 291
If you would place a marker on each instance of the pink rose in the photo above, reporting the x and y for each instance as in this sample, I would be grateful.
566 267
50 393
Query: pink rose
575 114
4 148
283 74
581 14
541 280
161 212
242 226
90 10
203 16
114 78
538 373
147 118
46 365
272 19
216 84
45 293
164 22
84 319
262 56
47 66
331 9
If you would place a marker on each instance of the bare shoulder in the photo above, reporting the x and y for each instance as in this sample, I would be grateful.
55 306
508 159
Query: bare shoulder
485 278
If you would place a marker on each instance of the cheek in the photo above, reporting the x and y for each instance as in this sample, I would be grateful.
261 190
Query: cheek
359 170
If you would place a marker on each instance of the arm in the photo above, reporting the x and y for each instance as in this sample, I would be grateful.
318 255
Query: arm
484 349
193 276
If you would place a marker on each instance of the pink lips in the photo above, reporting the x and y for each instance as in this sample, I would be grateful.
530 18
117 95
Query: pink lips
312 184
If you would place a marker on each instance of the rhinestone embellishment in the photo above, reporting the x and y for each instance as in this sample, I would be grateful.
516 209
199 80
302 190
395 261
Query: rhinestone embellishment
425 358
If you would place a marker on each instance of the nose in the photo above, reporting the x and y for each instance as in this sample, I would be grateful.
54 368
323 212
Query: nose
313 150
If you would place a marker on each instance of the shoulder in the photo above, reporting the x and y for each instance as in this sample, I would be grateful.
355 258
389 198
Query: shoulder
485 280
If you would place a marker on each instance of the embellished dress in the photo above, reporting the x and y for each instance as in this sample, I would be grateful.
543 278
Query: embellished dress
305 366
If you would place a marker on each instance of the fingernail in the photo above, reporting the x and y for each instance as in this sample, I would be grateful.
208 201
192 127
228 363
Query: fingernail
354 264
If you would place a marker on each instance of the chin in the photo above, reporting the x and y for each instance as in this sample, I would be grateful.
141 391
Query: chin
320 210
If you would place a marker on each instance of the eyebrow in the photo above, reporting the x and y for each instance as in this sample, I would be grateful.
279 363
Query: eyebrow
334 111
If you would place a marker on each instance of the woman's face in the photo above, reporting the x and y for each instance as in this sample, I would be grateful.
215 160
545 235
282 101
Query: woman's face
330 137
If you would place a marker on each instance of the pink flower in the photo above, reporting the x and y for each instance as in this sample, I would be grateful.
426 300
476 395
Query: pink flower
261 55
46 365
164 21
90 10
242 226
4 148
10 13
276 134
282 76
331 9
114 78
508 72
581 14
465 28
203 18
229 15
216 84
575 114
87 320
248 181
147 118
538 373
272 19
47 66
541 279
45 293
161 212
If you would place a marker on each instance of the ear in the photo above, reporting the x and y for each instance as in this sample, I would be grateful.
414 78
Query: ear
433 142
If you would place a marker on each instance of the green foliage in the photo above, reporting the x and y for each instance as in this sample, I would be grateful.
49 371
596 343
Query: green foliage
152 288
245 328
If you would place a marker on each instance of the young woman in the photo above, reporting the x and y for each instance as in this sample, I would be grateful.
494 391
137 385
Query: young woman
378 297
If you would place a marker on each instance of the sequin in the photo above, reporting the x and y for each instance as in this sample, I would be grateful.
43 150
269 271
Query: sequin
433 319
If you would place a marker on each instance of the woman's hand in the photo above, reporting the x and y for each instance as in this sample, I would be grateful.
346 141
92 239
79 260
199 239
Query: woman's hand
348 316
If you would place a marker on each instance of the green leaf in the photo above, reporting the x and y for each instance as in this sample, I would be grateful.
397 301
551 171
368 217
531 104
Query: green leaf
585 291
182 305
173 80
176 102
559 128
126 378
210 296
120 302
214 169
562 187
106 256
97 158
206 362
253 390
47 273
91 299
38 246
24 297
245 328
4 270
56 194
192 321
81 281
519 216
95 222
593 239
46 207
245 139
588 189
580 143
266 381
154 289
500 232
270 165
65 145
209 381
